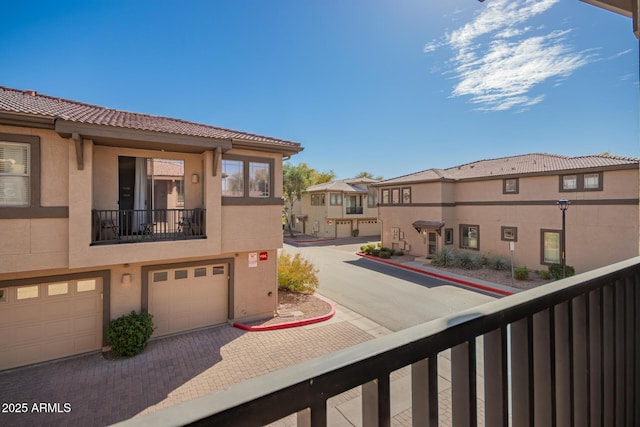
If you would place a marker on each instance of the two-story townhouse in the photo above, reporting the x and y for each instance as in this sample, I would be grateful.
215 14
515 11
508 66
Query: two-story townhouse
493 206
339 208
105 211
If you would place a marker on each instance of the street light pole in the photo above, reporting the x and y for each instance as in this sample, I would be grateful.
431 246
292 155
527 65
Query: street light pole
564 205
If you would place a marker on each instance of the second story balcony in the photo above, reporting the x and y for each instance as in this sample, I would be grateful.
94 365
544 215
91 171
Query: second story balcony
135 226
354 210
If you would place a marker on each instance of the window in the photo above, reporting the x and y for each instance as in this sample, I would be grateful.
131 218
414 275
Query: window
15 174
218 270
161 276
259 180
86 285
200 272
591 181
509 234
372 198
469 236
232 178
180 274
448 236
335 199
395 196
550 247
317 200
385 197
248 180
3 295
406 195
27 292
581 182
510 186
570 182
57 289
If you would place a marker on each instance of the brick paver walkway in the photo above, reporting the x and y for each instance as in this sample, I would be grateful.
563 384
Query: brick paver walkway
101 392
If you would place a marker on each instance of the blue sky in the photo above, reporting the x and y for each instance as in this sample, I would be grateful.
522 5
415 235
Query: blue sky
390 87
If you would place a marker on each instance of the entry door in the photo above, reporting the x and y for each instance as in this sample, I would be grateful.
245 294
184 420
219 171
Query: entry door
432 242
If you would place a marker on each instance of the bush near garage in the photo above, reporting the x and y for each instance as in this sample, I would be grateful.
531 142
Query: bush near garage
128 334
556 271
296 274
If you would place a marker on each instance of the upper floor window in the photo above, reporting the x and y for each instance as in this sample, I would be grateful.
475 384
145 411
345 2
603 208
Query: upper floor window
15 174
336 199
259 180
372 198
317 200
385 197
395 196
510 186
247 180
550 241
406 195
581 182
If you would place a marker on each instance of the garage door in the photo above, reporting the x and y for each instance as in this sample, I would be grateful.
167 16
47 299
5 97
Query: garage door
343 228
187 298
50 320
369 228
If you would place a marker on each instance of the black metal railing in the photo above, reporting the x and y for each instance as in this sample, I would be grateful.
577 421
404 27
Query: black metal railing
352 210
561 354
130 226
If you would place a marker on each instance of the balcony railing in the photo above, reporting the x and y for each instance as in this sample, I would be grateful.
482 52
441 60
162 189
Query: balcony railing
352 210
131 226
562 354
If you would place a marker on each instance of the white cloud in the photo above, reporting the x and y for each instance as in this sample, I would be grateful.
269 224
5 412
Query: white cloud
498 60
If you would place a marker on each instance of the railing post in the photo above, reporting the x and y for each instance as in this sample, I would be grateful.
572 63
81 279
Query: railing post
543 379
563 364
376 403
495 378
620 379
595 386
631 358
521 373
608 356
464 405
424 392
580 391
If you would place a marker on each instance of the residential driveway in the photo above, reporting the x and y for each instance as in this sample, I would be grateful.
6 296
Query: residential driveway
93 391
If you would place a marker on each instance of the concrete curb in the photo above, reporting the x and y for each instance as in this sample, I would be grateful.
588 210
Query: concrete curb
438 276
294 240
293 323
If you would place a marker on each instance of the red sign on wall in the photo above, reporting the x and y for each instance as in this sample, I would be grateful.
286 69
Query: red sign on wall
264 256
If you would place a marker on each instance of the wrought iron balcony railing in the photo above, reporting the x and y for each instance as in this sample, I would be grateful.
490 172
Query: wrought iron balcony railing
562 354
130 226
352 210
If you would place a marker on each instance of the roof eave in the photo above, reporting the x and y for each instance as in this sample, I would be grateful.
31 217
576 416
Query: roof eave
286 148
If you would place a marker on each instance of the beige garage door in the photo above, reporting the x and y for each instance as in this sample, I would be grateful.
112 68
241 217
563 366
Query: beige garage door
50 320
343 228
187 298
369 228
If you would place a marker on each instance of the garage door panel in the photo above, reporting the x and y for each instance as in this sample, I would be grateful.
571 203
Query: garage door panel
59 322
185 302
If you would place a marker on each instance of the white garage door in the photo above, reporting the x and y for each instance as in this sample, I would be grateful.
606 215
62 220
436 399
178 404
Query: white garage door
187 298
369 228
50 320
343 228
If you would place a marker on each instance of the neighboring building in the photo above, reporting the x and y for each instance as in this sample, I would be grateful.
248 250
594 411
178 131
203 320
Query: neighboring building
338 208
487 205
105 211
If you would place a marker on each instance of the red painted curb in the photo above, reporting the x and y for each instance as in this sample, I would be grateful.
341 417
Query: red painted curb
293 323
439 276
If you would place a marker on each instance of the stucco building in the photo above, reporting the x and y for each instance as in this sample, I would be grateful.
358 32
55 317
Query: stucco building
105 211
489 205
338 208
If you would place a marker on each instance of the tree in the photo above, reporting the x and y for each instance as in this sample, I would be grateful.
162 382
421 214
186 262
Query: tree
365 174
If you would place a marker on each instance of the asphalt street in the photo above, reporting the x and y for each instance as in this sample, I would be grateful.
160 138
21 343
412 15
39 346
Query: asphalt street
391 296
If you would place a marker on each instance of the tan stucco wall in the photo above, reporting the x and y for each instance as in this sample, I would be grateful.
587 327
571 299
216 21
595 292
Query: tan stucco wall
251 228
252 286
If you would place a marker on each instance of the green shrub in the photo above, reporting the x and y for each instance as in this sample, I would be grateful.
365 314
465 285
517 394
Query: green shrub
556 271
385 254
296 274
468 261
498 263
545 274
128 334
521 273
391 251
368 249
444 258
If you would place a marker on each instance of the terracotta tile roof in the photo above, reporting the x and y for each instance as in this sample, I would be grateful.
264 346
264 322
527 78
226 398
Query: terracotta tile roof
536 163
355 185
32 103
